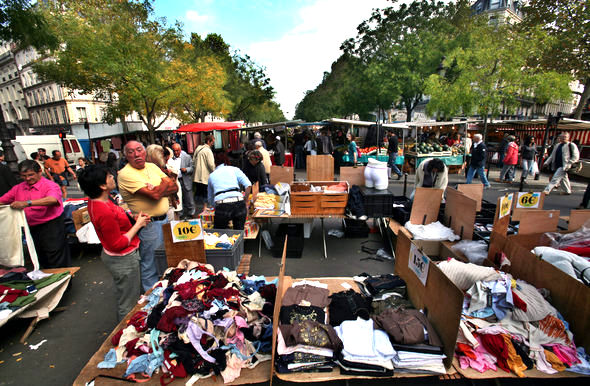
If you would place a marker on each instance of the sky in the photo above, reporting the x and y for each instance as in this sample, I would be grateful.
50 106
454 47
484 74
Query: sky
295 40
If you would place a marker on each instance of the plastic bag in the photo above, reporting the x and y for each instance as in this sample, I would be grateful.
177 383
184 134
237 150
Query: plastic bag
475 251
335 233
534 169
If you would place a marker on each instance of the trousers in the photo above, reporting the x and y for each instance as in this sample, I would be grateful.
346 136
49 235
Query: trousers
151 237
51 244
127 277
560 177
392 165
234 211
480 173
188 201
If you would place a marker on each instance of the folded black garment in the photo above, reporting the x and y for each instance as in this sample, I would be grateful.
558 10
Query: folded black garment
358 365
366 373
376 284
307 362
297 314
348 305
283 369
418 348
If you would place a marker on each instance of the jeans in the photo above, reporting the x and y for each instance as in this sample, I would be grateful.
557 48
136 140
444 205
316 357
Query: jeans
560 177
234 211
151 237
391 164
480 172
125 272
299 157
507 172
526 167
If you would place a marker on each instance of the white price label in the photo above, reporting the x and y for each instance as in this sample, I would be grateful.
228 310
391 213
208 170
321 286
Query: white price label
419 264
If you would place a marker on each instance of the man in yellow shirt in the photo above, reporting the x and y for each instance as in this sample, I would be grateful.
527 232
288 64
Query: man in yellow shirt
145 188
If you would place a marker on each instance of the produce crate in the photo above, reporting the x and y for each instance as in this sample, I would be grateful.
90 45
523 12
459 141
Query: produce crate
377 203
304 202
355 228
294 243
229 258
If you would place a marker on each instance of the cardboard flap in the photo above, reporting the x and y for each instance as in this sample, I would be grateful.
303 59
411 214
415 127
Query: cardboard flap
440 299
284 283
426 205
578 218
473 191
281 174
353 175
500 224
460 213
537 221
320 168
519 213
175 252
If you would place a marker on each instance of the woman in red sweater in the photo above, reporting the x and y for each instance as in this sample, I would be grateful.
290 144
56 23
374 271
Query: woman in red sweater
510 161
118 236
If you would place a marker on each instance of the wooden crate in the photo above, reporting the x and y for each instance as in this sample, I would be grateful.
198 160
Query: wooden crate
304 202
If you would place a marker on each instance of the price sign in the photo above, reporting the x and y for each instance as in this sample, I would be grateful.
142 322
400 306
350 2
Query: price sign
528 200
505 205
186 230
419 264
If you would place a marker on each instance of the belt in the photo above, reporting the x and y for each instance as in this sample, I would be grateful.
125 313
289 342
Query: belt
159 218
228 200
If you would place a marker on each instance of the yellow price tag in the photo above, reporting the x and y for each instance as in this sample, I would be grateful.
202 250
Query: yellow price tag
505 205
186 230
528 200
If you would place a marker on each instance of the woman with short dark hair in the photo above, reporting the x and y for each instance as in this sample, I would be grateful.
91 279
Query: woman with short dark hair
118 236
254 168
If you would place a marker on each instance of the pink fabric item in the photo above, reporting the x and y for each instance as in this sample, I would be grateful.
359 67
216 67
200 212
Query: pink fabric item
484 360
238 338
43 188
567 355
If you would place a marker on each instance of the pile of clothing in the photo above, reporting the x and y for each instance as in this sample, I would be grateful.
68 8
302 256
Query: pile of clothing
434 231
267 201
370 333
509 324
18 287
216 240
305 342
574 265
200 323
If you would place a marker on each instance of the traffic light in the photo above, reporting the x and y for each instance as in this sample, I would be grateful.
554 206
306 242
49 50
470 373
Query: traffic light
62 134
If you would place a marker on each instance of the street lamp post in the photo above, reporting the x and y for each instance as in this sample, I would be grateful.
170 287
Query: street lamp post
6 138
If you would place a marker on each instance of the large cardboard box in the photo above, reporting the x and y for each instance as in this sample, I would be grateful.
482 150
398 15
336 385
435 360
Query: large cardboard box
439 250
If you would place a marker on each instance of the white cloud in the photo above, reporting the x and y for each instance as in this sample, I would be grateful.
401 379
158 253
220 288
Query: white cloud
194 17
296 61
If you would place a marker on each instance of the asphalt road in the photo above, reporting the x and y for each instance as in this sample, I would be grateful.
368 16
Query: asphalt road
73 335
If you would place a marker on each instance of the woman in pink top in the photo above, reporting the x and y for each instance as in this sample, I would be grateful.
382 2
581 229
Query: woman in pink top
117 234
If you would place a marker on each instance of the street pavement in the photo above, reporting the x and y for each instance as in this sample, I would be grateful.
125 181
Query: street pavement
74 334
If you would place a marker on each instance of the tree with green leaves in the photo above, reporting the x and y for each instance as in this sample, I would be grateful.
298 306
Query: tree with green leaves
489 73
566 46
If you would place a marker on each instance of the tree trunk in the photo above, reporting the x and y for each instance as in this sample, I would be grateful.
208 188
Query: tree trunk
585 94
485 128
152 133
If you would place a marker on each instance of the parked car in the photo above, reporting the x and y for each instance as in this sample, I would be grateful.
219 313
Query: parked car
70 147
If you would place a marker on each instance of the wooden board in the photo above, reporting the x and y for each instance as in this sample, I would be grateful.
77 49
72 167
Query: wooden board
284 283
80 217
440 299
500 224
460 213
473 191
517 213
320 168
534 373
426 205
354 176
281 174
537 221
578 218
175 252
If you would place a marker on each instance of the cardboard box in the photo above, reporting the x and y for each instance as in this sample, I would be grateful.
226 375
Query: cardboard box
439 250
80 217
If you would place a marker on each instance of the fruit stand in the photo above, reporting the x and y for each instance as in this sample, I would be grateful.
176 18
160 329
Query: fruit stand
373 152
452 156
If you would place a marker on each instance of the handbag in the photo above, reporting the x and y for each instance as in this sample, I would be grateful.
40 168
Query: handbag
576 166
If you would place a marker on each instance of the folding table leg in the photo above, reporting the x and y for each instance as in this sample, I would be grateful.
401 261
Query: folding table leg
324 238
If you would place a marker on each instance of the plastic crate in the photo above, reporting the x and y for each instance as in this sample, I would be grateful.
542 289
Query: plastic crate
377 203
229 258
294 243
355 228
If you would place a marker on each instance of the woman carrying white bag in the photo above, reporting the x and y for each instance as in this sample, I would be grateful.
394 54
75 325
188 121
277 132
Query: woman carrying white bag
528 153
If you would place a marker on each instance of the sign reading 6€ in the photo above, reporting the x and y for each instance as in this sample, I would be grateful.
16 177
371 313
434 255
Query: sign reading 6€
186 230
528 200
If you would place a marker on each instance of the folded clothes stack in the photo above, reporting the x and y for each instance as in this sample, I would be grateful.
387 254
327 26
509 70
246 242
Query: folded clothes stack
304 341
509 324
216 240
377 331
200 323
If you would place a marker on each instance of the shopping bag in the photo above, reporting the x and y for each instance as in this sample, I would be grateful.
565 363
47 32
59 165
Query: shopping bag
534 169
495 157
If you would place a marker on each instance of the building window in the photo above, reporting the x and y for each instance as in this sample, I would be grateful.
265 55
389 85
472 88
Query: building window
56 115
59 94
494 4
63 114
51 95
81 114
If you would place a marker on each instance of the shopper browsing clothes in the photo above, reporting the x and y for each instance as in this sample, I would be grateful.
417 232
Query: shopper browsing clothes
120 252
560 161
145 188
41 199
225 194
431 173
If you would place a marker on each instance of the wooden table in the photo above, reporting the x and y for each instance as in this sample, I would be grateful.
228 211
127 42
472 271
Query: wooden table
263 218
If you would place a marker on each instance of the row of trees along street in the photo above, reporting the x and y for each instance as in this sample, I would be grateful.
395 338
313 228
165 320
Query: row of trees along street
464 63
118 51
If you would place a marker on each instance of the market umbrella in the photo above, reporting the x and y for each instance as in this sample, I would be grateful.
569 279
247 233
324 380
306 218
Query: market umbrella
209 126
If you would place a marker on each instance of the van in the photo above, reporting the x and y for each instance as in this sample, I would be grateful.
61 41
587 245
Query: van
70 148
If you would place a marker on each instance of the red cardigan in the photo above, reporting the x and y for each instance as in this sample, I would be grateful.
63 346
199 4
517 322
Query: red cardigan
511 157
111 223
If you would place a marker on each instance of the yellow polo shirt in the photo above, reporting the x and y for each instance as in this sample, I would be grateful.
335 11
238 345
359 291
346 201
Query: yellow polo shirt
130 180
